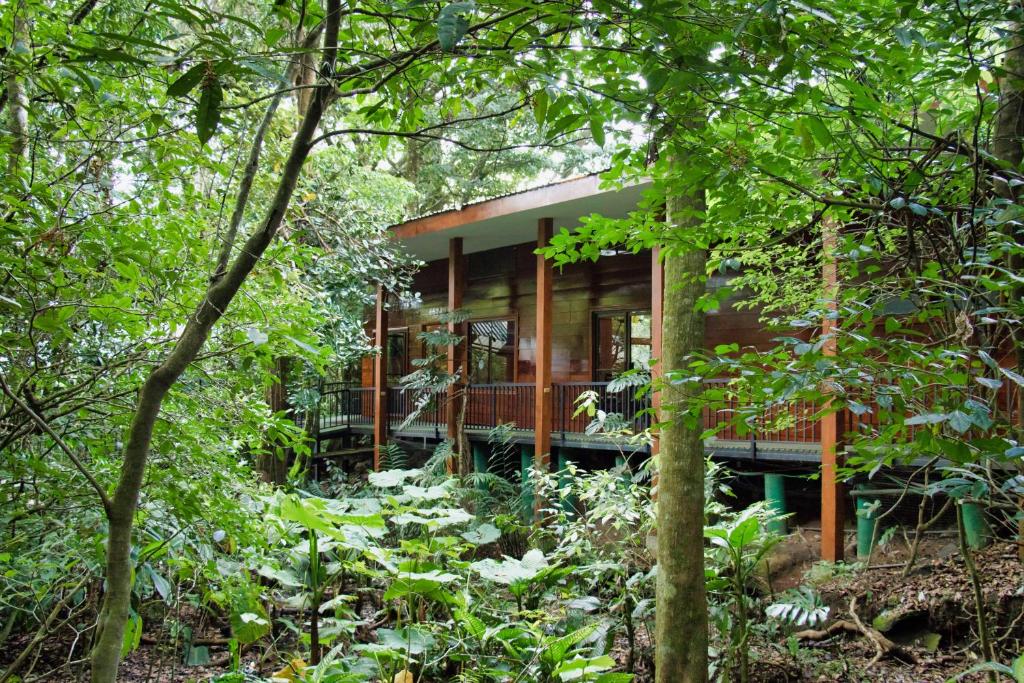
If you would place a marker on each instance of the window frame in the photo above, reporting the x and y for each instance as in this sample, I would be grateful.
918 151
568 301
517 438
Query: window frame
393 380
595 338
514 319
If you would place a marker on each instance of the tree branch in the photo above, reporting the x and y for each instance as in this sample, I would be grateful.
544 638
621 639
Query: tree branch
44 425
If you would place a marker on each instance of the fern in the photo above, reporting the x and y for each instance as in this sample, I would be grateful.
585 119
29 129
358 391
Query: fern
393 457
801 607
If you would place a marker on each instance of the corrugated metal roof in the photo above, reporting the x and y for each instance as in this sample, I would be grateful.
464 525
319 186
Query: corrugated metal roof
500 196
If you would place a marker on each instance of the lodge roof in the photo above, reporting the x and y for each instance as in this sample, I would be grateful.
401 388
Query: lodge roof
512 218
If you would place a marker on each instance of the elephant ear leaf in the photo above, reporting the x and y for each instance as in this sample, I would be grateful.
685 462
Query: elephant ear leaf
452 24
208 111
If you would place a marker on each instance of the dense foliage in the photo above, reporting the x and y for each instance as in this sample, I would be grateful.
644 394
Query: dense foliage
196 197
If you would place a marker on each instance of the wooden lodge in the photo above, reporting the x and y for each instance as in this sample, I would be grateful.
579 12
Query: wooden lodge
537 337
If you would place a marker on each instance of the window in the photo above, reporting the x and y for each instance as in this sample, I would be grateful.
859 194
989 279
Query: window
492 351
622 341
397 355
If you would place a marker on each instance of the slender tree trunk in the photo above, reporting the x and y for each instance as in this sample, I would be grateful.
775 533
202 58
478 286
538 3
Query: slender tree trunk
681 626
116 601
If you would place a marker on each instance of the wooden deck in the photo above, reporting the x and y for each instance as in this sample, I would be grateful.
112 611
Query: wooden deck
349 410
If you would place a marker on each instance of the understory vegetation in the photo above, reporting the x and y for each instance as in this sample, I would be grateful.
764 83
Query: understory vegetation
195 228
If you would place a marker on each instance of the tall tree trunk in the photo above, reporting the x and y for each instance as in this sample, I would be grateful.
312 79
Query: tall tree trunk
18 113
681 622
1008 146
272 468
116 601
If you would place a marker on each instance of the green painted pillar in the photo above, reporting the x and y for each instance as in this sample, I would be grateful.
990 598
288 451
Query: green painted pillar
480 457
975 527
627 476
866 524
526 495
569 503
775 497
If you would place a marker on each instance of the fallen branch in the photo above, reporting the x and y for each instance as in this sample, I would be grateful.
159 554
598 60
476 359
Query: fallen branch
883 646
841 626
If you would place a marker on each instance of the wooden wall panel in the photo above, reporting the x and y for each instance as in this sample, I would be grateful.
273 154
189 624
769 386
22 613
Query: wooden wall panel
501 283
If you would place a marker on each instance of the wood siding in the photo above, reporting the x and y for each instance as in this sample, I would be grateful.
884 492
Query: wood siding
501 283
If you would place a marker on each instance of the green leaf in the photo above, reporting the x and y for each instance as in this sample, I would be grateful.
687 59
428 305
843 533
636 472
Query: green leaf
162 585
452 24
1010 374
597 130
1018 669
581 669
248 627
926 419
412 639
614 677
819 130
510 570
960 421
208 111
540 105
197 655
132 634
257 337
483 534
188 80
744 533
390 478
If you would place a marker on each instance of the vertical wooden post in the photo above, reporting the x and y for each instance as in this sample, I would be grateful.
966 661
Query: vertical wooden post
833 537
456 352
380 379
657 295
542 393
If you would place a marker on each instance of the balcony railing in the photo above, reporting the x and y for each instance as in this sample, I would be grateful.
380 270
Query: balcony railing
343 405
570 398
489 405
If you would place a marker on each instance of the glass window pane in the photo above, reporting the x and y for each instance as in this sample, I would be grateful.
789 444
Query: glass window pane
610 346
640 341
492 349
397 355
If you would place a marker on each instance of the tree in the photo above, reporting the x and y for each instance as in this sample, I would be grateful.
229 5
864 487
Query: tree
681 634
221 83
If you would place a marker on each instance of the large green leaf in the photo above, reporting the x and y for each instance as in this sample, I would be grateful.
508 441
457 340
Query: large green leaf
452 24
208 110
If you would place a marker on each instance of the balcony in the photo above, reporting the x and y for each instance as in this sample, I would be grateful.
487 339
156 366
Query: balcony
788 432
784 432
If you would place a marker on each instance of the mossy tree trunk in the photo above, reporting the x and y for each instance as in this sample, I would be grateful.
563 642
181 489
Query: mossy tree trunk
681 634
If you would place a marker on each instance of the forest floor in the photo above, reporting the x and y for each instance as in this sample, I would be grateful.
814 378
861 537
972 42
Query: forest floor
928 618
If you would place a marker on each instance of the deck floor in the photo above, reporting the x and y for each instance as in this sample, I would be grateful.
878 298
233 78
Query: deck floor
778 451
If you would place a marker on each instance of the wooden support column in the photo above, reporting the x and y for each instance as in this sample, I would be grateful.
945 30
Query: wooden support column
456 352
657 296
543 391
833 427
380 379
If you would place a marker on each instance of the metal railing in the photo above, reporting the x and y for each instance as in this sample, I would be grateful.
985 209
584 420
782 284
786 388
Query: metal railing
343 405
429 410
633 409
489 405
